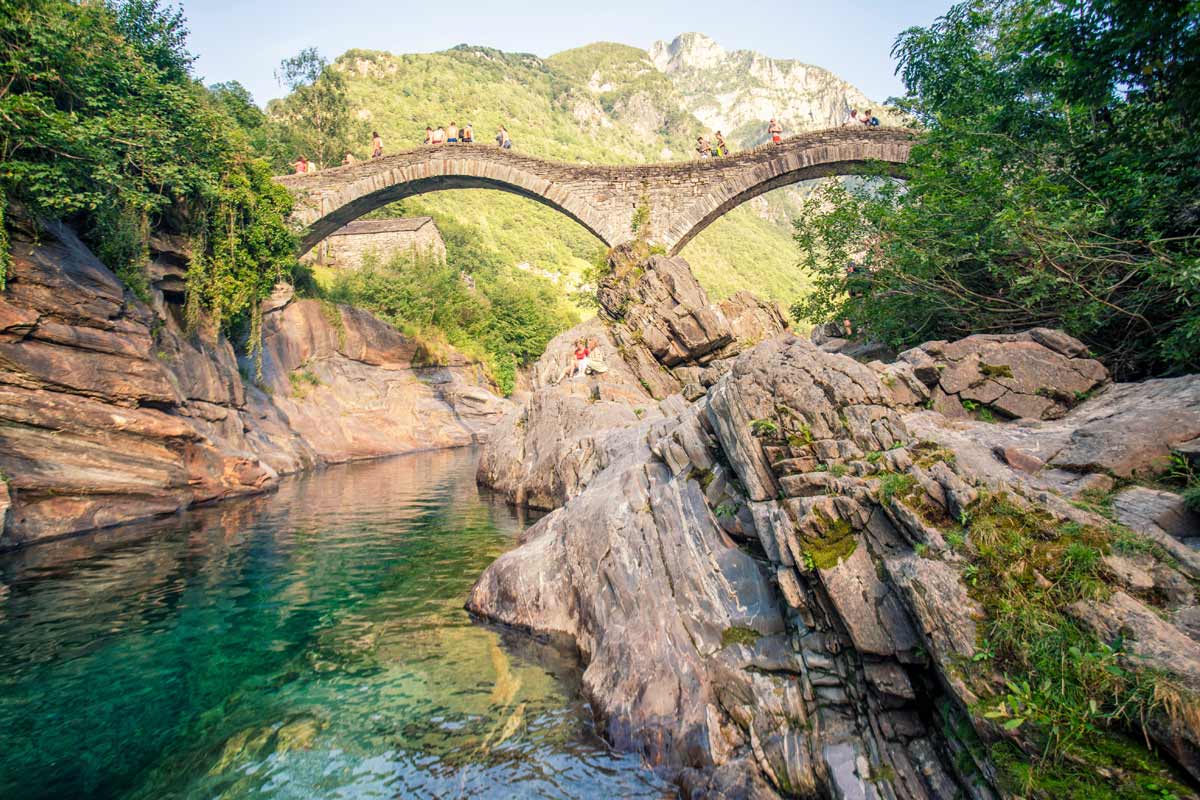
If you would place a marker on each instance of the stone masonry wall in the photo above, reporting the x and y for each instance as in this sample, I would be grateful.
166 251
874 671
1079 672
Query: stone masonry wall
683 197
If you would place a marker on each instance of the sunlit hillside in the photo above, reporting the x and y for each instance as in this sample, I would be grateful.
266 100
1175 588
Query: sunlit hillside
603 103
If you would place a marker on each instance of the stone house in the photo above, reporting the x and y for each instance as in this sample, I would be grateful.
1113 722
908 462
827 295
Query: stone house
347 246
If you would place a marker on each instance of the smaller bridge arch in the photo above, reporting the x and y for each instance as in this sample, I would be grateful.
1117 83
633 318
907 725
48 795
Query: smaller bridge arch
683 197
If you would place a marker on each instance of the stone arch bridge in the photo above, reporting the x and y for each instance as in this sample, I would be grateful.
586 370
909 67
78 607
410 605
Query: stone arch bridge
683 197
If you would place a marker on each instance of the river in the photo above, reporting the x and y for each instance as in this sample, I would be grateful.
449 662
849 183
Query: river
305 644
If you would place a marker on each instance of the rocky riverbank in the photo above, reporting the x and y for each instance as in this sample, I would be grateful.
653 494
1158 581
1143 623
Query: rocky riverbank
111 410
801 575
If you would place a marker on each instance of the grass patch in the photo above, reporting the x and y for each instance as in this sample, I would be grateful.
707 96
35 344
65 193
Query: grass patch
763 427
303 380
701 476
1074 699
895 485
926 454
996 370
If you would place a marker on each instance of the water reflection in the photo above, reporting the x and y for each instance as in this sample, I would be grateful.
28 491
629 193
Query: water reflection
306 644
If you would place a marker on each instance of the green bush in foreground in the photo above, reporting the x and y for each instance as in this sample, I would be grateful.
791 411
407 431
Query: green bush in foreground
1056 184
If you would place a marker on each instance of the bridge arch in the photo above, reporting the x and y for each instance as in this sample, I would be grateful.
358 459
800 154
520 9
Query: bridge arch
683 197
715 207
341 195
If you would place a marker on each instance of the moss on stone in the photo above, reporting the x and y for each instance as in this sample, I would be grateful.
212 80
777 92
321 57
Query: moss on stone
701 476
996 370
834 544
1076 704
738 634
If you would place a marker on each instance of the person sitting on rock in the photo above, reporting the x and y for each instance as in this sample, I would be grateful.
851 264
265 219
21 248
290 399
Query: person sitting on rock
720 151
468 134
581 359
452 134
702 147
595 360
376 145
776 131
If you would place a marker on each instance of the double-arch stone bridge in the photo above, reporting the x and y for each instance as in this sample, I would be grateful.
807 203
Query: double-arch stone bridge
682 197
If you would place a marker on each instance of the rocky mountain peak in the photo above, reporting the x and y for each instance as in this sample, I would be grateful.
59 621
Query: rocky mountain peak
687 51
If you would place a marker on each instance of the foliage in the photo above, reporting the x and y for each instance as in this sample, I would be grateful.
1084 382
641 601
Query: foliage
1071 695
505 320
1056 184
763 427
314 119
102 125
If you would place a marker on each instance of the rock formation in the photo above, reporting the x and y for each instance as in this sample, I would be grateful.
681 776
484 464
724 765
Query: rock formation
111 411
659 335
786 587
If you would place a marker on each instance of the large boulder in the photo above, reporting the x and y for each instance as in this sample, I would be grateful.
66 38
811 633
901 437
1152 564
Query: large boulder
1038 374
353 387
658 336
849 661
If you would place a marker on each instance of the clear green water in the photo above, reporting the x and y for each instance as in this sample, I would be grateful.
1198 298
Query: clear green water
308 644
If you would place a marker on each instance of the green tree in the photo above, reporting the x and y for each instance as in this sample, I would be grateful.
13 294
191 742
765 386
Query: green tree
102 125
1056 184
314 119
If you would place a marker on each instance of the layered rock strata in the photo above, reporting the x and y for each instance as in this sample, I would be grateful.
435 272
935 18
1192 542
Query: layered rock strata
111 411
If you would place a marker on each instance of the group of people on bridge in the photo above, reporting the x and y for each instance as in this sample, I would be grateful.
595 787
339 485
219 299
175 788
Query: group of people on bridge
718 149
854 119
452 134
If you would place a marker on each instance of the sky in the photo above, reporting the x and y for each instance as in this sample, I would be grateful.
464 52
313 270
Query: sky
852 38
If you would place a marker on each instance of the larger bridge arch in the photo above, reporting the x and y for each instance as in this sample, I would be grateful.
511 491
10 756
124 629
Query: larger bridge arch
682 197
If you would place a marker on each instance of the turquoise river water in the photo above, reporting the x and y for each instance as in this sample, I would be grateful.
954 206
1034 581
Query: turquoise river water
306 644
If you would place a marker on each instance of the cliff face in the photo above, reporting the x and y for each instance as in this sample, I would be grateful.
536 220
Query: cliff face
736 92
787 587
110 412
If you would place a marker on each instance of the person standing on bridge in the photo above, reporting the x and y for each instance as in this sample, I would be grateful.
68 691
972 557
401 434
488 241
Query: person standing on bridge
702 149
468 134
776 131
720 151
376 145
452 134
